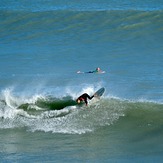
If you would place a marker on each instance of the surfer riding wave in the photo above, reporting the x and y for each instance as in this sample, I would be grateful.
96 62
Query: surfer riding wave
84 98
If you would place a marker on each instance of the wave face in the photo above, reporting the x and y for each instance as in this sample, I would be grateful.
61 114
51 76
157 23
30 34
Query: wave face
41 114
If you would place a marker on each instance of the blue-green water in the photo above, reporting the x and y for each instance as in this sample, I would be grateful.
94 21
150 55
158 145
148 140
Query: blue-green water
42 46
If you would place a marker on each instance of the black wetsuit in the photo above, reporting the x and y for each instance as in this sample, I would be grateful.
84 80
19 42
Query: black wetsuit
95 71
84 97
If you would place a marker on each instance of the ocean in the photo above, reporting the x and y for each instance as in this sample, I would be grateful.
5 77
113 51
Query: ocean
43 44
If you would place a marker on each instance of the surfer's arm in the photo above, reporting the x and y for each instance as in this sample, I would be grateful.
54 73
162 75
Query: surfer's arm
90 97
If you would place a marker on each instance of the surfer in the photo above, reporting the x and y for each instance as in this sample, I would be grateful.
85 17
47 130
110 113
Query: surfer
84 98
97 70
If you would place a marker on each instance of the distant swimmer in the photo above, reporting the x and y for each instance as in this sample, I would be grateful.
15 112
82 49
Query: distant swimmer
84 98
97 70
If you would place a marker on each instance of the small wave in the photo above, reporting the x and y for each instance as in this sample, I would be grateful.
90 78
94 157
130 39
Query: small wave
24 26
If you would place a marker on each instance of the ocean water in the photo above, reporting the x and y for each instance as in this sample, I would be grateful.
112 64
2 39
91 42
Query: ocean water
42 46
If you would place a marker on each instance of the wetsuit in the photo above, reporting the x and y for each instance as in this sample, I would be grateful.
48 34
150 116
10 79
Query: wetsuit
84 97
95 71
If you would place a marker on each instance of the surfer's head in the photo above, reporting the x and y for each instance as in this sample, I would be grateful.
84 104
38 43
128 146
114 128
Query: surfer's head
98 69
78 101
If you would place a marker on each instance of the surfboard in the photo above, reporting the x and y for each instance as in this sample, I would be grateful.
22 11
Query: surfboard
100 92
80 72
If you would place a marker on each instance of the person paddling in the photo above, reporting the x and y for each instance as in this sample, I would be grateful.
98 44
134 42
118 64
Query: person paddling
97 70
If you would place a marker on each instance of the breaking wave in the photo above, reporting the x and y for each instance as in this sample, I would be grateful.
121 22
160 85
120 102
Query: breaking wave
61 115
